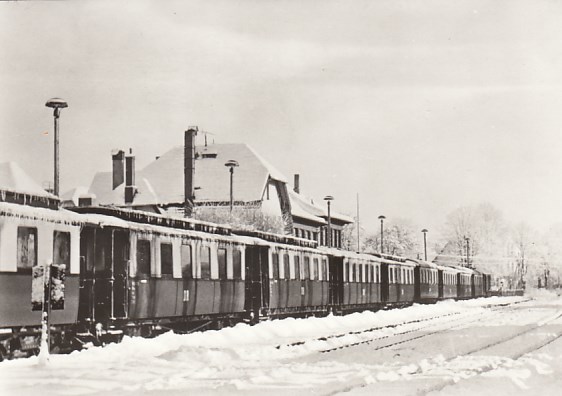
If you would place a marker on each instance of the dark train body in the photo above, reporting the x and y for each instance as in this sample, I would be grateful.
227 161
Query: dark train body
133 273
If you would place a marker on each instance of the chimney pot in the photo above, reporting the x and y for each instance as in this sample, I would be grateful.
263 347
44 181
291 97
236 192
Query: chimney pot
297 187
118 158
130 189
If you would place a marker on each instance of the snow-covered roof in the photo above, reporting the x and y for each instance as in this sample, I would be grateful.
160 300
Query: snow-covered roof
305 208
14 178
162 181
300 207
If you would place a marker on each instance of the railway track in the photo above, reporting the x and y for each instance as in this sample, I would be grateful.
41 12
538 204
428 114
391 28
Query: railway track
428 323
518 353
514 356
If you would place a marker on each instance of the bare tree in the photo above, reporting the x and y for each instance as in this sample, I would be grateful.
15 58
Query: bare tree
484 227
349 237
399 239
523 241
244 218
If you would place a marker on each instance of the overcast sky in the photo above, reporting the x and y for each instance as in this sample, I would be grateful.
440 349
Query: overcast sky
418 106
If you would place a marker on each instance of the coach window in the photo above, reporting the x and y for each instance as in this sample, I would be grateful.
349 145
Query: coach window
27 247
316 269
346 272
325 269
275 265
222 263
297 267
286 266
166 261
143 257
61 248
237 264
360 272
306 269
186 262
205 262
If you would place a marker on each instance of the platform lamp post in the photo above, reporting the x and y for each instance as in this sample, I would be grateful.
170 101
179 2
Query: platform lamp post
231 164
467 239
381 218
57 104
329 199
425 243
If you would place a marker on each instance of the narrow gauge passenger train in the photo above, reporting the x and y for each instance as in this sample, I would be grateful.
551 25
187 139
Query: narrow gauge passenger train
134 273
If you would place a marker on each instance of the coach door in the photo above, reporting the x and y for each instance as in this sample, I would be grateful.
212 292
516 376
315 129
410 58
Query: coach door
120 270
257 284
104 260
384 282
336 281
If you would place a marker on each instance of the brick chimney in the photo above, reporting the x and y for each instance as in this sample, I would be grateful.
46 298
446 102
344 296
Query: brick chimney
297 187
189 169
118 157
130 188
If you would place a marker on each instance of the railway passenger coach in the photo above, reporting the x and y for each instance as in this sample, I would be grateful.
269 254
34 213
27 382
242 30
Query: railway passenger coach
29 238
127 272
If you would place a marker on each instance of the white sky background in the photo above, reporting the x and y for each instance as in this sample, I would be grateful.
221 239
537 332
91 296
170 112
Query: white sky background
419 106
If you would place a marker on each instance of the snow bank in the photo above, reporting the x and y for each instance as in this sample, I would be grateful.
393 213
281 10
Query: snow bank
271 354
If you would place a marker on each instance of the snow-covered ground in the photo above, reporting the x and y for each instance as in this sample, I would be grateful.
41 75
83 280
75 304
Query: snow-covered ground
487 346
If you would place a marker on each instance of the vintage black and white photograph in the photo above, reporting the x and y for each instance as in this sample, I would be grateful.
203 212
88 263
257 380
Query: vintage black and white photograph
281 197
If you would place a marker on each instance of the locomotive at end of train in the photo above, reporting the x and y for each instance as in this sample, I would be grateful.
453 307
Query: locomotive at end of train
126 272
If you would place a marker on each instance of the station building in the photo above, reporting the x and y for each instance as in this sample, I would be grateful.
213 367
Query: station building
199 172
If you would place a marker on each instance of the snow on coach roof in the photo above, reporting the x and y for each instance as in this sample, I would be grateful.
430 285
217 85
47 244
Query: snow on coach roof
40 214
